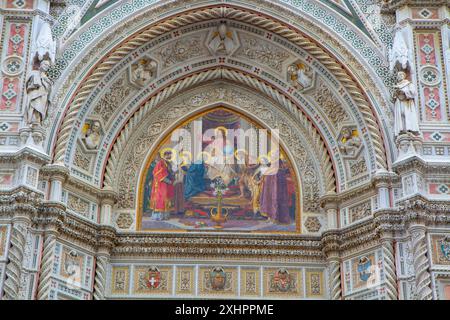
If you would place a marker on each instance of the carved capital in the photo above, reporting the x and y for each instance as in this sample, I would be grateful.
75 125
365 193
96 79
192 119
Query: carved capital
55 171
108 196
329 201
383 178
331 243
106 239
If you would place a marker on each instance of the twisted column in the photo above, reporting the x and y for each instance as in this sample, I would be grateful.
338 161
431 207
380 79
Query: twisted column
46 267
421 263
334 280
389 270
14 267
100 277
105 241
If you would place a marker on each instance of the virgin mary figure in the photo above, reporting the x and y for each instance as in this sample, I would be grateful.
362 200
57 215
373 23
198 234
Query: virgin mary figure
194 179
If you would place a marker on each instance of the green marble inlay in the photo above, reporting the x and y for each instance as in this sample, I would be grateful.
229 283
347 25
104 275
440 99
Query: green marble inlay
353 17
93 11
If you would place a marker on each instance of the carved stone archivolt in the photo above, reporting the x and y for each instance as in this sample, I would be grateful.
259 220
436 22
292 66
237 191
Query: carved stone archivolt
234 76
277 9
152 128
231 14
330 105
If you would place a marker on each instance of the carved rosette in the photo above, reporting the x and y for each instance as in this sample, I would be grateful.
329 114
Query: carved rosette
421 263
14 267
46 267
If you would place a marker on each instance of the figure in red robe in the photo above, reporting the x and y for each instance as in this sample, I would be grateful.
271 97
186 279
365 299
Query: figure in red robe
161 197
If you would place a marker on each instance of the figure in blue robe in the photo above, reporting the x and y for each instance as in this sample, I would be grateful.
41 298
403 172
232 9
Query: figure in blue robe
194 181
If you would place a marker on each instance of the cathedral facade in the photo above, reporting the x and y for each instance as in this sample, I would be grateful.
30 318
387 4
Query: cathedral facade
201 149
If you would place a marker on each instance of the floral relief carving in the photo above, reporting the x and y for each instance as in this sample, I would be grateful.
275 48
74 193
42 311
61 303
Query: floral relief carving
357 167
181 50
112 99
330 105
263 52
120 275
360 211
81 160
250 282
78 205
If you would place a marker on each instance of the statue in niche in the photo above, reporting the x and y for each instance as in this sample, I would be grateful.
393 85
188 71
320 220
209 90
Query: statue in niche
143 71
38 88
222 41
406 119
93 137
300 75
349 142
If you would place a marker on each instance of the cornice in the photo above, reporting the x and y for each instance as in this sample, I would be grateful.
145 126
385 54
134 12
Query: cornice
416 163
55 171
384 178
420 210
390 6
82 186
51 216
25 153
380 178
215 246
20 201
105 195
347 195
27 14
80 230
413 210
388 220
106 237
425 24
340 242
54 217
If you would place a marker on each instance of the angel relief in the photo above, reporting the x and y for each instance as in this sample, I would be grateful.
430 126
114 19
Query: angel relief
219 172
300 75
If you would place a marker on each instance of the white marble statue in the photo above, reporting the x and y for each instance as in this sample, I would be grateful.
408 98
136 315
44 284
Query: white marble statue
405 116
222 41
44 43
93 136
38 87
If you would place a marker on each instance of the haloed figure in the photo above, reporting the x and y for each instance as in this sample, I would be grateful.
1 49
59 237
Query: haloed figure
161 198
